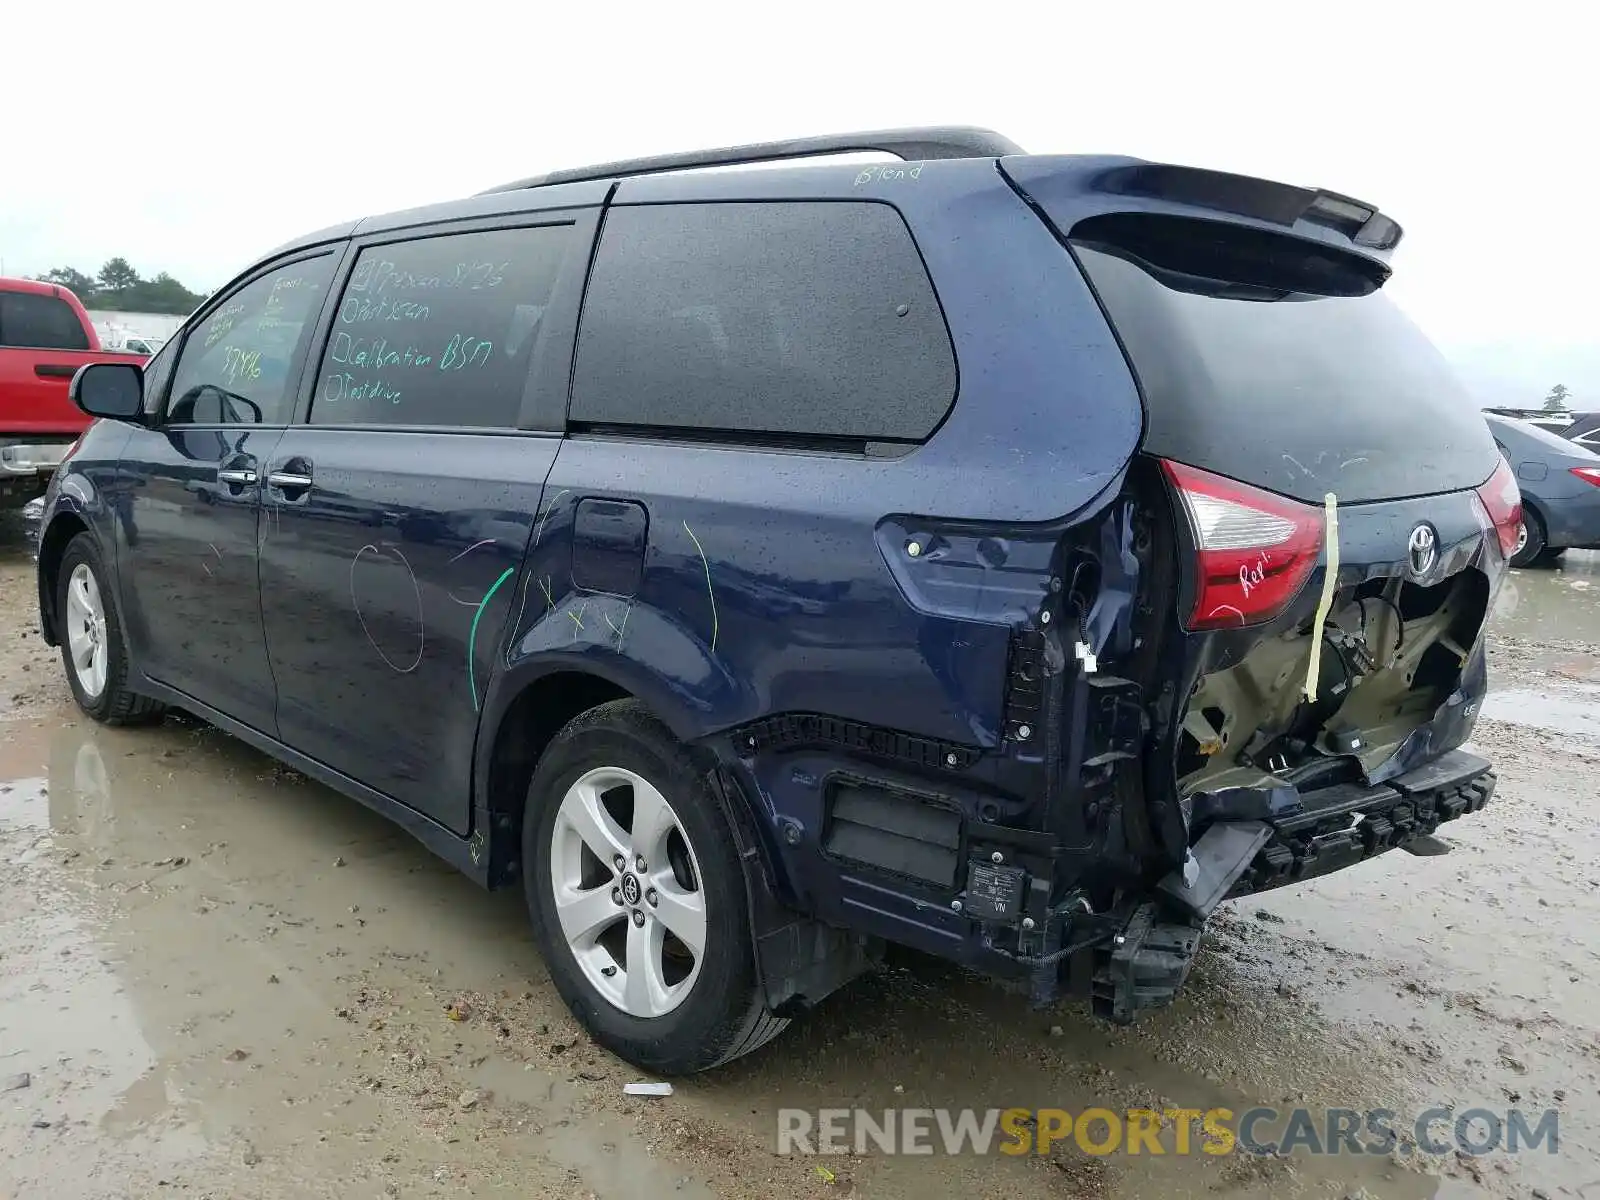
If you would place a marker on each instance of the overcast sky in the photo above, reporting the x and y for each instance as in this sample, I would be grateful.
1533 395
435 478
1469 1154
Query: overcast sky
190 138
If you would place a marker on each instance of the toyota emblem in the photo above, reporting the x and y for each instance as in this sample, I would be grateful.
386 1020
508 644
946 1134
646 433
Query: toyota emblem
1423 549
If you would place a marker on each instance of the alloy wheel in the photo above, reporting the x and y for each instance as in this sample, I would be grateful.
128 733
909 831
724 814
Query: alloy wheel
627 891
86 631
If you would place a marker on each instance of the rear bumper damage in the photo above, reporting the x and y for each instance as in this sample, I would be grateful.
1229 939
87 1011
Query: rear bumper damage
1135 956
1324 831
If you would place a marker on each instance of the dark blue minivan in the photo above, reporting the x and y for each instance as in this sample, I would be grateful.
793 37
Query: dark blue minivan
1007 556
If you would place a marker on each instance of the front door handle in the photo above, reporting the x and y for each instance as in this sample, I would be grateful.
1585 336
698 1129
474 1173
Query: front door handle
289 480
237 476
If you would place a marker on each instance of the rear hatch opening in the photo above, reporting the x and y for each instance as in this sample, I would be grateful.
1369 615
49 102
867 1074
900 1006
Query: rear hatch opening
1341 519
1261 775
1390 655
1390 643
1281 385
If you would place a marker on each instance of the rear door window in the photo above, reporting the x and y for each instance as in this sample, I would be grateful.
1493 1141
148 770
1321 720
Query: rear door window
801 319
1280 363
40 322
441 330
240 363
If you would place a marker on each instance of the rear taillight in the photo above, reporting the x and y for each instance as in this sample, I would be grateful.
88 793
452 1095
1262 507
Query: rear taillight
1502 500
1587 474
1254 550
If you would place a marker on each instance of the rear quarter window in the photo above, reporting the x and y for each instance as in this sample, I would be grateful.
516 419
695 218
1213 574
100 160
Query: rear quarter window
40 322
798 319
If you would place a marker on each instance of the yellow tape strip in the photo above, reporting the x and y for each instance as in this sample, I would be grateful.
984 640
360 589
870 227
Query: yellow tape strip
1330 509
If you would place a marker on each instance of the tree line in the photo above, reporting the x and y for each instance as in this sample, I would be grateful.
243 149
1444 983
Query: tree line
1556 401
119 288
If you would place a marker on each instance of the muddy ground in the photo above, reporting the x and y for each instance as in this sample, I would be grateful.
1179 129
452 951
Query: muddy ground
220 980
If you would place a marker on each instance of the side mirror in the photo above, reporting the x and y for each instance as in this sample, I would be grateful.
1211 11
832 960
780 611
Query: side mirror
114 390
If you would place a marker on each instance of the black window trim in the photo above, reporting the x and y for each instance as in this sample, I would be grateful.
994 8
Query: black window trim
871 448
739 439
542 410
338 249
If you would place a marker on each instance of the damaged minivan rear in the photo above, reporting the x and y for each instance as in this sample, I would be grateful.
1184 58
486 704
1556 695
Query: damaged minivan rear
1247 653
1323 524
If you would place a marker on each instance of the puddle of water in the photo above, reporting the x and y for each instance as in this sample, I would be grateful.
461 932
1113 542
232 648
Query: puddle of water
1562 604
24 787
609 1155
24 804
183 975
67 1022
1573 711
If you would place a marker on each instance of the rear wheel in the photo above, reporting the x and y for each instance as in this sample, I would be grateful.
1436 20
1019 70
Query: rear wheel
637 896
1532 547
92 645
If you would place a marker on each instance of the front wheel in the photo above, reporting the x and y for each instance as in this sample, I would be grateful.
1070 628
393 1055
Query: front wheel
92 645
637 896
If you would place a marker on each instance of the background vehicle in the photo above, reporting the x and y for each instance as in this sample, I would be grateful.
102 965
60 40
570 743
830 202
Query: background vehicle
129 342
1584 430
1580 427
45 336
1560 485
1009 556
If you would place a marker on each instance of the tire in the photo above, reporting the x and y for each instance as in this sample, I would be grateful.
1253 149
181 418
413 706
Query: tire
1533 546
93 649
633 985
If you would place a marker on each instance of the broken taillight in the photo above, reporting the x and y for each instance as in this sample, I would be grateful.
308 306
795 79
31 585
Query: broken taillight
1254 550
1502 500
1587 474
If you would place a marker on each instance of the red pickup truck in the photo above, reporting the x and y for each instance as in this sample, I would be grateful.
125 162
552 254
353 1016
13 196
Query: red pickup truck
45 336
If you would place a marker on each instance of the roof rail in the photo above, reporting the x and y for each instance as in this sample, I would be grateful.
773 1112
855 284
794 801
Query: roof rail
916 143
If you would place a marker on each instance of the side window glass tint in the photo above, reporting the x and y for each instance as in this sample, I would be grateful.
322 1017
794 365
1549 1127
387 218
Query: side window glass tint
40 322
238 363
796 318
441 330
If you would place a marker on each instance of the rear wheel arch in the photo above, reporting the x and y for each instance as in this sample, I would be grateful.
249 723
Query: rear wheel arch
793 970
725 1012
525 729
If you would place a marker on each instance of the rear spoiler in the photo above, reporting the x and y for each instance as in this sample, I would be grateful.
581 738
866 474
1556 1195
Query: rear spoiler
1312 211
1278 203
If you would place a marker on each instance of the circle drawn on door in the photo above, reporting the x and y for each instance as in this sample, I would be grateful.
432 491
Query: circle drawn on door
377 593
